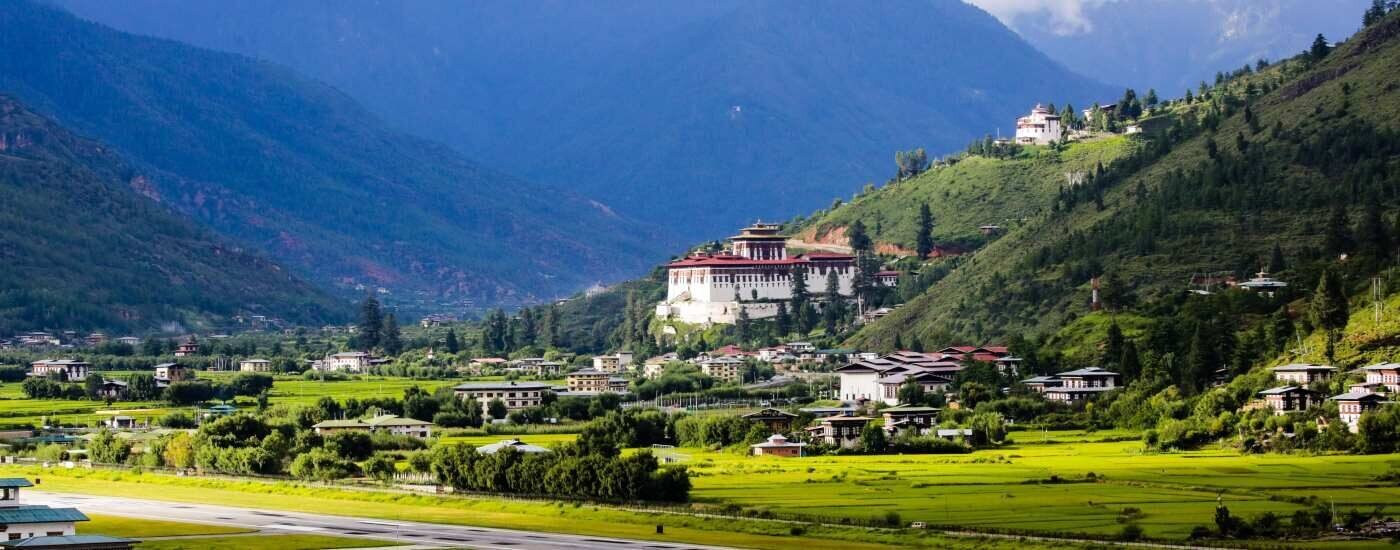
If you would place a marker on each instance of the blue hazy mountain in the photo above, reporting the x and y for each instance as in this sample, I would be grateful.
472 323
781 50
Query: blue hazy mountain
1171 45
301 171
693 116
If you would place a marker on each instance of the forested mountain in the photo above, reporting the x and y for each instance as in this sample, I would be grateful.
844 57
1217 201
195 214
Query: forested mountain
1172 45
82 249
696 116
297 169
1287 168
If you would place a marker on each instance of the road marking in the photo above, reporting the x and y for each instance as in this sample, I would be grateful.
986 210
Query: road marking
374 522
289 527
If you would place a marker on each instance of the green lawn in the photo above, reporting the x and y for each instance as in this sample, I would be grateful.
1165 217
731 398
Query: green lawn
264 542
129 527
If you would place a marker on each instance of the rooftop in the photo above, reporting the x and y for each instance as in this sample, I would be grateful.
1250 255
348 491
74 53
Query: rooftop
39 514
87 542
1302 367
503 385
12 482
512 444
1091 371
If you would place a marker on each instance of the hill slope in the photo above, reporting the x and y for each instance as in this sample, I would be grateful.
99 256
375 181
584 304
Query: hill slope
82 250
656 108
1216 193
300 170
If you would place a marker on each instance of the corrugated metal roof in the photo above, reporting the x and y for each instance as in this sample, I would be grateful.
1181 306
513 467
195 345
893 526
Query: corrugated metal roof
40 514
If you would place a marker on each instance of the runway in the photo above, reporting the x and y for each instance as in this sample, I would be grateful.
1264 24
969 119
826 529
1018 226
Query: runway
432 535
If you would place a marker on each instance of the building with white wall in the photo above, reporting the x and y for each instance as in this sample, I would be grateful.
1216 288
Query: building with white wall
755 274
31 521
1041 127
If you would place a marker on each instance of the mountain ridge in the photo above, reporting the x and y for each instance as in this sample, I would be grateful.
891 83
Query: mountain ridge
83 249
298 169
658 109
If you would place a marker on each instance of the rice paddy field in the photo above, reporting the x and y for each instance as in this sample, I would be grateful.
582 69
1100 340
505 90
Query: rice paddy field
1044 485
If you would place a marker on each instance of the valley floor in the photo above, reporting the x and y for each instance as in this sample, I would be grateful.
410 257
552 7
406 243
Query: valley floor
1039 485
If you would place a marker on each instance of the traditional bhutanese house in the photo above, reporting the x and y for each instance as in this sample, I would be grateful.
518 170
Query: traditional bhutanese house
930 381
842 431
513 444
860 380
255 365
887 278
22 522
904 417
617 384
1039 384
1287 399
777 445
113 389
172 372
1385 374
71 369
388 423
1351 405
1302 374
776 421
1368 387
1081 385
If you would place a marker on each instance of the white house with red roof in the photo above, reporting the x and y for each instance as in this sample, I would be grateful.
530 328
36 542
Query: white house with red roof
755 274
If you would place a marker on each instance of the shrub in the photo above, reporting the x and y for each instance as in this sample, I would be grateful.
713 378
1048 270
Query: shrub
892 519
1131 531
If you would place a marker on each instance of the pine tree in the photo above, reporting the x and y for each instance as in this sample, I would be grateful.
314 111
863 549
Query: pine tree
925 236
549 323
1374 234
916 344
390 339
1329 307
1113 345
1375 13
1338 237
782 324
1129 364
1200 361
858 239
898 343
1281 330
742 325
1276 261
452 344
371 322
1319 48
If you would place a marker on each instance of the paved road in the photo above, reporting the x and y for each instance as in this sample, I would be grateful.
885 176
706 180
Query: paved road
407 532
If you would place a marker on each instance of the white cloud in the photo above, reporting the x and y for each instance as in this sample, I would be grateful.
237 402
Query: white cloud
1063 17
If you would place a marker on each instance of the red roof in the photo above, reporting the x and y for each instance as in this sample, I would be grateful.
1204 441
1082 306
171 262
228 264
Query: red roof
728 350
731 260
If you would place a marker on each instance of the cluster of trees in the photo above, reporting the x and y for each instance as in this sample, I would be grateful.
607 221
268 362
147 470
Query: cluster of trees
377 330
142 387
569 471
277 441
